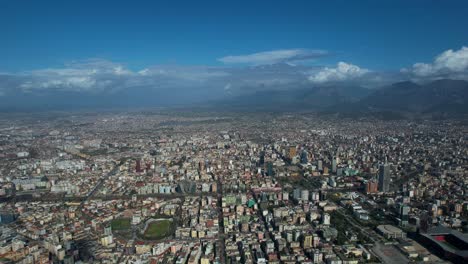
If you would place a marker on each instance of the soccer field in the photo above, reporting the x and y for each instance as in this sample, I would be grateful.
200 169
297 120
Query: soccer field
158 229
120 224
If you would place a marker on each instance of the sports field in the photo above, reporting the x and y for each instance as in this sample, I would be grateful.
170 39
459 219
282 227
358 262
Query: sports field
120 224
158 229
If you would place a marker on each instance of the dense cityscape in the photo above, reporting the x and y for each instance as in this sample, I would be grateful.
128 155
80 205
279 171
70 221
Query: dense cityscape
168 187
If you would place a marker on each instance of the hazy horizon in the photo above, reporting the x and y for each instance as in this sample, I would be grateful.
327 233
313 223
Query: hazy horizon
85 55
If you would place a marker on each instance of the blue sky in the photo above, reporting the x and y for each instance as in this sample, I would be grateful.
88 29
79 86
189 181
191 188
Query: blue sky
373 34
219 47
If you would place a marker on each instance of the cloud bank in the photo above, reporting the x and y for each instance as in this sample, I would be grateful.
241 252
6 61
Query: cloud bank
260 71
275 56
342 72
449 64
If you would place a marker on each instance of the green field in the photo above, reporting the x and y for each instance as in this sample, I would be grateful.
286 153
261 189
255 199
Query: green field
120 224
158 229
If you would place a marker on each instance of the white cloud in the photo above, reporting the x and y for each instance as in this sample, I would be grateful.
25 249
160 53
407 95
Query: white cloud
119 70
188 73
143 72
86 76
274 56
100 76
97 76
69 82
448 64
342 72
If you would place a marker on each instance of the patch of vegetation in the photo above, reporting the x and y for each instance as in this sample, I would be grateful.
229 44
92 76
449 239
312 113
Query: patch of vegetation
158 229
335 197
94 152
341 225
120 224
311 183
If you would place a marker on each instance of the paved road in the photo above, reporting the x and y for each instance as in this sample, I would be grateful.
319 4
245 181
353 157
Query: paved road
100 183
370 234
221 237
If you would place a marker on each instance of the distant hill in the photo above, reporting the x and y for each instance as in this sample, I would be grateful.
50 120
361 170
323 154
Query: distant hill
441 96
137 97
310 98
441 99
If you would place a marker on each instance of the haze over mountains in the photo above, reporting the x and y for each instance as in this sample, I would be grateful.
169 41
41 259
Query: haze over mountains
271 81
443 96
277 80
446 96
440 96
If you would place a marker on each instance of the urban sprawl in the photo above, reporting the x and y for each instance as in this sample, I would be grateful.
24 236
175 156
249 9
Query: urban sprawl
157 187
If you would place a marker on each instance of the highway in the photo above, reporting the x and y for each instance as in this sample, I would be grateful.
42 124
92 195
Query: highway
100 183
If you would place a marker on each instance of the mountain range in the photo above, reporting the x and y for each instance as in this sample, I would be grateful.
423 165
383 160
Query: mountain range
441 97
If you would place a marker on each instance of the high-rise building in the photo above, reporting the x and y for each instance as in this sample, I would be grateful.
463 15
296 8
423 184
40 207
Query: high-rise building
138 166
325 170
270 170
404 211
307 242
384 178
262 158
305 195
317 256
371 187
326 219
108 230
304 158
424 222
316 240
334 165
292 152
296 193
